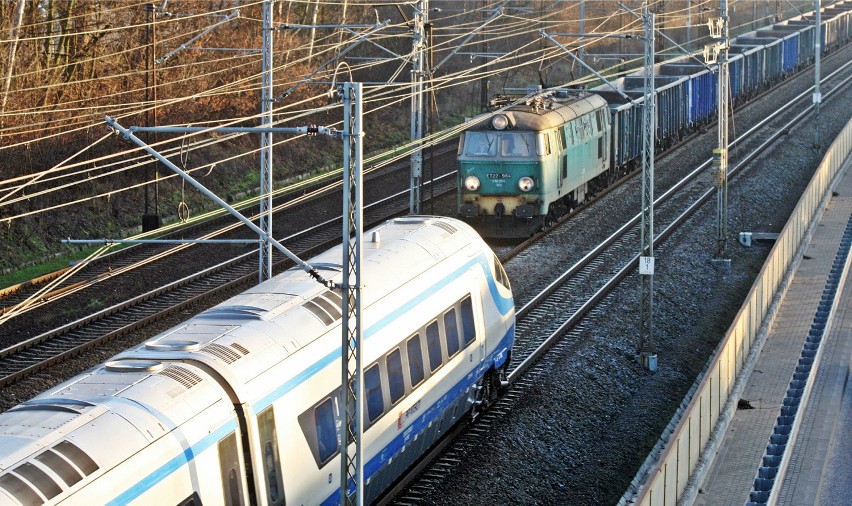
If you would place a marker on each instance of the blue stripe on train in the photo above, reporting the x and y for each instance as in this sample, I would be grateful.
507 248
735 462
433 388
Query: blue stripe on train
174 464
504 305
393 448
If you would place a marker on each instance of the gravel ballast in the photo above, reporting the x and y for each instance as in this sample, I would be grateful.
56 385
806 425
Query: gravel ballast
581 432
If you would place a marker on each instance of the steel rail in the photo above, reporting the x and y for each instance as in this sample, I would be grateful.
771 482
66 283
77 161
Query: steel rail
661 237
10 356
81 281
531 362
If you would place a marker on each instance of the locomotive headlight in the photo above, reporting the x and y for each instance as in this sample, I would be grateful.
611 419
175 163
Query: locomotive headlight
499 122
525 184
471 183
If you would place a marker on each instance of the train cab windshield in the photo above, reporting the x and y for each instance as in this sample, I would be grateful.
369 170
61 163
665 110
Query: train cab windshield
506 144
514 144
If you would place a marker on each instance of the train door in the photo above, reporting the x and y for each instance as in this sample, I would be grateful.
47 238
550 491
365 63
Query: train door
563 159
272 479
230 467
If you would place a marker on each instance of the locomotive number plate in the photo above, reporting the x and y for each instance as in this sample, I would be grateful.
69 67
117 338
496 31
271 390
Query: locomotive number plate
499 175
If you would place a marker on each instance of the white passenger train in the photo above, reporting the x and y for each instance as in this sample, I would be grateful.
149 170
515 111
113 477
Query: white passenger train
240 404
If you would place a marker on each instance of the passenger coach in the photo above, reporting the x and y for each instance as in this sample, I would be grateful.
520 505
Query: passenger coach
241 404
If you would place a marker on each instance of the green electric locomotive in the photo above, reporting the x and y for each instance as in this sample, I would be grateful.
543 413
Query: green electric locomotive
531 162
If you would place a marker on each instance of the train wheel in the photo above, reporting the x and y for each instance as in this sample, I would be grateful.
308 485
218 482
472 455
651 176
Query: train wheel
485 395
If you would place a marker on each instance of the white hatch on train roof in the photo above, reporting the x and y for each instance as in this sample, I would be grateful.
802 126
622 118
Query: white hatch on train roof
37 424
193 330
53 415
252 306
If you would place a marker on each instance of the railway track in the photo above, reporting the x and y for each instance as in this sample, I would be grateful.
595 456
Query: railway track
50 348
553 318
210 225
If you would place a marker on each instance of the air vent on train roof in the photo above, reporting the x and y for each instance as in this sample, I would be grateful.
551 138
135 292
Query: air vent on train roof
326 306
182 375
412 220
23 481
446 226
172 345
226 353
151 366
235 313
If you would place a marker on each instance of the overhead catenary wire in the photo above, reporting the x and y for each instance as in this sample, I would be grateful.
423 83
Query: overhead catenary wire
464 76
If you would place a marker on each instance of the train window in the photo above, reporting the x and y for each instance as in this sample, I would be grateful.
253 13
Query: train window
480 143
415 360
451 332
543 144
271 460
601 147
562 140
433 343
229 466
327 440
396 383
516 144
598 120
373 392
500 274
468 326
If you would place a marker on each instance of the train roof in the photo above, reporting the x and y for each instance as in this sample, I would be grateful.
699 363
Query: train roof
546 111
124 401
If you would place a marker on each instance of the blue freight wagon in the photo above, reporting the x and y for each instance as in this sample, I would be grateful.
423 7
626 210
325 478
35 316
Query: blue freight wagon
840 17
791 46
702 89
736 63
754 69
773 66
672 111
807 38
625 121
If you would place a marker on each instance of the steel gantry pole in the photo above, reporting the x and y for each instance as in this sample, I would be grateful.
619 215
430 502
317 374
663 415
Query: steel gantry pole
719 170
352 466
646 350
265 211
581 52
421 13
817 51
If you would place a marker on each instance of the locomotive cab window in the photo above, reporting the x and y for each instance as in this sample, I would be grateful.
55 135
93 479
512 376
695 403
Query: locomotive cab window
480 143
543 144
514 144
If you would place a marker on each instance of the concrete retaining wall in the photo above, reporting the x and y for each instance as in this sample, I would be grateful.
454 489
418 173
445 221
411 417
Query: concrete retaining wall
664 478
